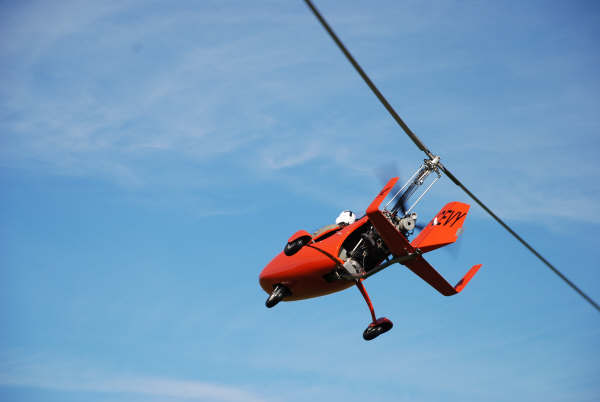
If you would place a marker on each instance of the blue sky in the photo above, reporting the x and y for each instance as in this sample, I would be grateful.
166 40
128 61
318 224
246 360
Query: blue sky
154 157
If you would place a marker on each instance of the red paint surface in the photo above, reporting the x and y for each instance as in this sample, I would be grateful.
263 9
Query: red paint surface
303 272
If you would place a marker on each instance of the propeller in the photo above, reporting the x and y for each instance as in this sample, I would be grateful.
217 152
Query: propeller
383 173
431 156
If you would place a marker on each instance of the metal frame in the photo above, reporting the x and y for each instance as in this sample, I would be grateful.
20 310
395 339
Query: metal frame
417 180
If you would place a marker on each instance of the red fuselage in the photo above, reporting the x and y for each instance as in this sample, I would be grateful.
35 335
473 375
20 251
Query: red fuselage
303 273
312 265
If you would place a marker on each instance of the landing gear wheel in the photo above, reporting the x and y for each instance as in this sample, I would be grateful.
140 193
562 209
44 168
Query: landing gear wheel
382 325
278 293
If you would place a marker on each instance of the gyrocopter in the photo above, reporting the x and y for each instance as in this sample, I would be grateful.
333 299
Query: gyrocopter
339 256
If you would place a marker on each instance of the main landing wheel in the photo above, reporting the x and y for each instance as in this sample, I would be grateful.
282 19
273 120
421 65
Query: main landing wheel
278 293
377 328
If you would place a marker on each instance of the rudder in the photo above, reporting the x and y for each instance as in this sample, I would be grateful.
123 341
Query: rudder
444 228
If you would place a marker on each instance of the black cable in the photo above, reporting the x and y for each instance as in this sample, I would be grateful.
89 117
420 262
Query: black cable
366 78
430 155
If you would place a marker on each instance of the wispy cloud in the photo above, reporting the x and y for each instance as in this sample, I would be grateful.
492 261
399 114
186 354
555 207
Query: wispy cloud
67 376
135 97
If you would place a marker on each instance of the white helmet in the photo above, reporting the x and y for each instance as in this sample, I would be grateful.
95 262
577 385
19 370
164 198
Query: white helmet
345 218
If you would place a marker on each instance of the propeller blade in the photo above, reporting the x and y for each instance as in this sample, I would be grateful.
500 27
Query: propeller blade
400 204
384 172
387 170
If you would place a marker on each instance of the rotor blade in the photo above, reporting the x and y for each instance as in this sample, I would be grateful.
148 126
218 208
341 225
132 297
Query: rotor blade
429 154
519 238
368 81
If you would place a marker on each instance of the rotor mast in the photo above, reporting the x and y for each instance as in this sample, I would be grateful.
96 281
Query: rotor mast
413 184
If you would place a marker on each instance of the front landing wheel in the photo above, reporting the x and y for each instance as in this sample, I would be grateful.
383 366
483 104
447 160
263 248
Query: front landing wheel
279 292
382 325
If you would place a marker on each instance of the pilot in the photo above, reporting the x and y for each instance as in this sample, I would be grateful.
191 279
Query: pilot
345 218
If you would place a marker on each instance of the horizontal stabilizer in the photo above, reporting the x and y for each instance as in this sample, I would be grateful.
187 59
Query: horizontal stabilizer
426 272
443 229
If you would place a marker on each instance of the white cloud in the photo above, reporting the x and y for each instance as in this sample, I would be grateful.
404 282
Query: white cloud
109 90
67 376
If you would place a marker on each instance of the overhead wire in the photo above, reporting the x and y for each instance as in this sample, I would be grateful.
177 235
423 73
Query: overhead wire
430 155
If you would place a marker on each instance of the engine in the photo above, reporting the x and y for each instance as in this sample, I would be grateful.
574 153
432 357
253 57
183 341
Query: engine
364 250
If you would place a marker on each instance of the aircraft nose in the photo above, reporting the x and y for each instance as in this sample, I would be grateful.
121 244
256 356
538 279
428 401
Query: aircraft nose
280 270
306 266
265 273
269 277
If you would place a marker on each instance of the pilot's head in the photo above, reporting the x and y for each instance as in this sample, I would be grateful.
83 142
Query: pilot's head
345 218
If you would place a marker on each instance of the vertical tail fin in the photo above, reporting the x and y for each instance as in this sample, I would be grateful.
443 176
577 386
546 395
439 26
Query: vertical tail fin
443 229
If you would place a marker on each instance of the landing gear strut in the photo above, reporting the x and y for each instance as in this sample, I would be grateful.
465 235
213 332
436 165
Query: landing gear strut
379 325
278 293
